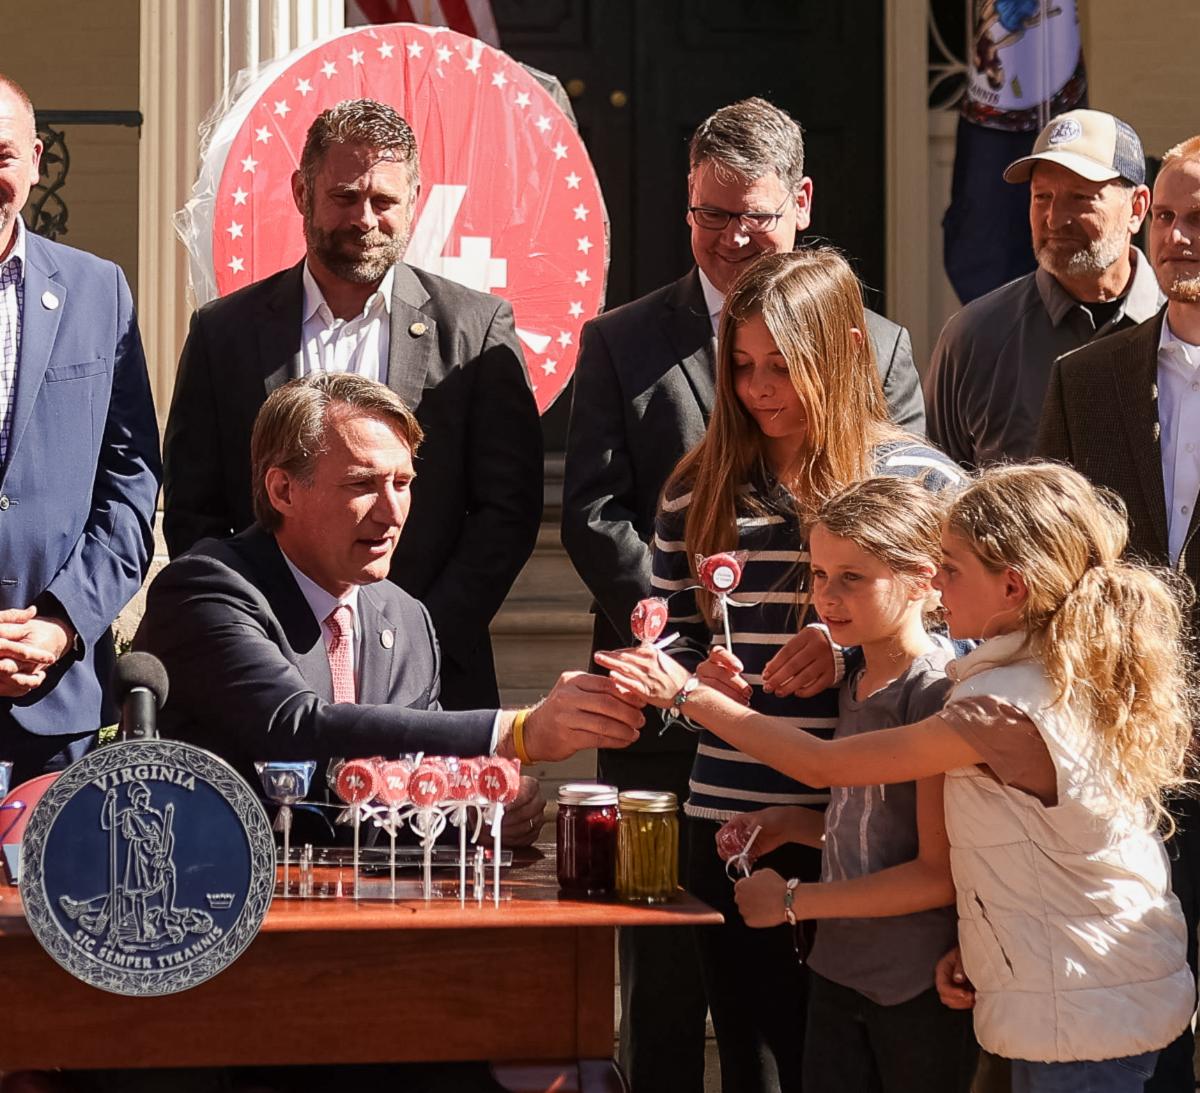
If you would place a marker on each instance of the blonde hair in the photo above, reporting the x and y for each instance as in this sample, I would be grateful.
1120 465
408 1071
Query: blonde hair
1110 633
810 301
895 520
1184 151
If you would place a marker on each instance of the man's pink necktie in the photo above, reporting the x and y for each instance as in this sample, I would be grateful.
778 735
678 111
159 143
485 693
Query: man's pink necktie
341 666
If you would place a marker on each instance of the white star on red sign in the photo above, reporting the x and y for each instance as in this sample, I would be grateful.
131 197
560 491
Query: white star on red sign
282 108
581 212
329 70
560 151
549 366
239 196
576 309
573 181
522 99
499 79
584 244
385 50
543 124
262 135
443 53
236 265
355 56
564 338
249 164
303 87
235 230
415 49
473 64
582 277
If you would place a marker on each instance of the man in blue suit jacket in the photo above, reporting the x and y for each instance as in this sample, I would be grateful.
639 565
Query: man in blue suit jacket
79 471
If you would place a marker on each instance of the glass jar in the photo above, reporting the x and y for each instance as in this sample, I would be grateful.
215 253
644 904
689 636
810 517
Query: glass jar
587 839
648 846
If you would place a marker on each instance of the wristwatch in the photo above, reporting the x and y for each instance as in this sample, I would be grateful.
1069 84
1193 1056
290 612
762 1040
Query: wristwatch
789 900
689 685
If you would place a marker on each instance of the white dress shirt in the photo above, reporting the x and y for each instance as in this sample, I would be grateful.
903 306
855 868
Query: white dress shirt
346 345
1179 433
714 300
322 605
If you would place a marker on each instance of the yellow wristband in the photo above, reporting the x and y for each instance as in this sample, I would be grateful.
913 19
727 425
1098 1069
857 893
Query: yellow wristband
519 737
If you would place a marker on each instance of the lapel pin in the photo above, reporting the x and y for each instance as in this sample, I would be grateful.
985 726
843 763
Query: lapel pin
387 639
417 329
49 300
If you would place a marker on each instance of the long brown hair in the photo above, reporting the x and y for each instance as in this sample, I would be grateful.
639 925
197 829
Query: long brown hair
1110 633
810 301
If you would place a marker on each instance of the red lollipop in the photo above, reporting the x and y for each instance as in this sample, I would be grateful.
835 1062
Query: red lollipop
357 781
731 840
649 619
393 782
463 776
428 784
499 780
720 573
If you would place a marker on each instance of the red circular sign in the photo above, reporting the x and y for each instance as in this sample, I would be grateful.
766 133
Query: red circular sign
509 200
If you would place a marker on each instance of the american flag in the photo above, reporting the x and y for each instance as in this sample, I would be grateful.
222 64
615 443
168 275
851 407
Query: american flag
472 17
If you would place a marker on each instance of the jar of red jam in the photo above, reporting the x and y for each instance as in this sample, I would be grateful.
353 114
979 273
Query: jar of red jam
587 839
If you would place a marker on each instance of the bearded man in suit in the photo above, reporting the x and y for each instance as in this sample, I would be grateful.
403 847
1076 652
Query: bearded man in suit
353 305
643 395
1125 411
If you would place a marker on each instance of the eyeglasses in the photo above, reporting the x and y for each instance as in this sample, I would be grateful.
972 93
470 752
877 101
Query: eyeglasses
755 223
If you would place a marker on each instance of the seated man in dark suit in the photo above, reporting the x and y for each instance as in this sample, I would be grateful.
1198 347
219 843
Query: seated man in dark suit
288 642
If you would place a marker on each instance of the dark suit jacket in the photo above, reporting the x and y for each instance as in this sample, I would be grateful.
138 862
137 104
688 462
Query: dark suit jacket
249 675
477 499
643 394
81 478
1101 416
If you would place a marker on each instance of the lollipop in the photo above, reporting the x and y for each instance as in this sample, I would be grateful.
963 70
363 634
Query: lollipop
462 788
427 789
285 784
356 783
720 574
499 785
735 845
649 619
393 792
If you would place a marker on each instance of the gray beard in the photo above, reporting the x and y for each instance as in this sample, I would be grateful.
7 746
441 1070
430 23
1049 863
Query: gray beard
1093 259
359 271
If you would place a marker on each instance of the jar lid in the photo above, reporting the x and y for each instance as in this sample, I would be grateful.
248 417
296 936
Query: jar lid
587 793
647 800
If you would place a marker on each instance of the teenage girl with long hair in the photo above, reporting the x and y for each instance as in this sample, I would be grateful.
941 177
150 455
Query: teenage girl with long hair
798 414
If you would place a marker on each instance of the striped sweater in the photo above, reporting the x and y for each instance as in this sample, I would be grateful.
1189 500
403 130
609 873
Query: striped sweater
725 781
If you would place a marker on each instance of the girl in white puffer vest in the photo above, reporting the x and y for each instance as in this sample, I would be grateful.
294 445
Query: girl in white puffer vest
1058 740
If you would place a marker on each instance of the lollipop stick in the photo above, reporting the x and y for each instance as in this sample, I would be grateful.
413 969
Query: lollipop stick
427 842
392 833
285 815
496 852
462 856
725 615
356 851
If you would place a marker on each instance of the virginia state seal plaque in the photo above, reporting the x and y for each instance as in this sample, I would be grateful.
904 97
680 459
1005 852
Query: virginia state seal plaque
147 867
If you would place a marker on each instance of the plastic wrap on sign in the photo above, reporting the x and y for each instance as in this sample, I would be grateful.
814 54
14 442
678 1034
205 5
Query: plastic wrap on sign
509 201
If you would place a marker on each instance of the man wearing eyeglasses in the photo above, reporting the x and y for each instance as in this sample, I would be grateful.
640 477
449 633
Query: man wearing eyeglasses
643 395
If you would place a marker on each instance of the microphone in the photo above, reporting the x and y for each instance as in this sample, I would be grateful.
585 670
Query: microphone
139 684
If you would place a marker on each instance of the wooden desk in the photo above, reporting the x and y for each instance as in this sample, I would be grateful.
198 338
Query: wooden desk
330 981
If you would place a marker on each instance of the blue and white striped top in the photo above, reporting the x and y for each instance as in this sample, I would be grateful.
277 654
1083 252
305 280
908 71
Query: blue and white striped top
725 781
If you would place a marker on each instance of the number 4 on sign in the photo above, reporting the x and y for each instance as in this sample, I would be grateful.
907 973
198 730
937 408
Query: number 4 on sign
474 266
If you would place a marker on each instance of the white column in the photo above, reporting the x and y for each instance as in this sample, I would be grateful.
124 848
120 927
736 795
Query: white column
190 51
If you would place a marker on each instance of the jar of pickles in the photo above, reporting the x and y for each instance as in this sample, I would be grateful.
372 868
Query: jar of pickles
648 846
587 839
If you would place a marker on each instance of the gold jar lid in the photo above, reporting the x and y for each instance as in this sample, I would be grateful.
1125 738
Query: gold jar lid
648 800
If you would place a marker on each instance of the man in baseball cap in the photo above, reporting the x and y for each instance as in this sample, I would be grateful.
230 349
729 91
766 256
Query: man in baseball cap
991 366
